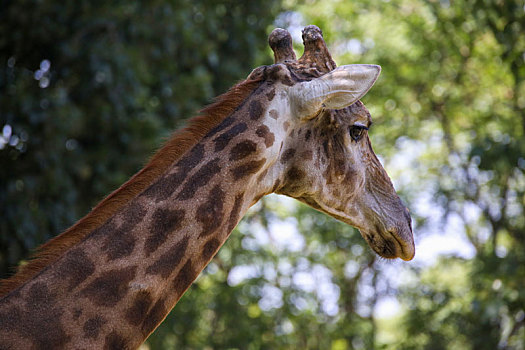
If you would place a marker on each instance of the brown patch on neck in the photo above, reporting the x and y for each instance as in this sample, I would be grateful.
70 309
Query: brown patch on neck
180 143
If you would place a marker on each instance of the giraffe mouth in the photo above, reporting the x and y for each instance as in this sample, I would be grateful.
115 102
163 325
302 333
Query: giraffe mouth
389 245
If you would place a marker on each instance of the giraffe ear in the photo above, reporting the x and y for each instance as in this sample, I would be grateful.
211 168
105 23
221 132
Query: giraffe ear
335 90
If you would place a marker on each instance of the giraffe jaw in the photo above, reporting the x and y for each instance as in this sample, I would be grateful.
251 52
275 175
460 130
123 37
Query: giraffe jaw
389 244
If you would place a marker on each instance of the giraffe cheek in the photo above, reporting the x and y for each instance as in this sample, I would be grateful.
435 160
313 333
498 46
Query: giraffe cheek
354 180
295 182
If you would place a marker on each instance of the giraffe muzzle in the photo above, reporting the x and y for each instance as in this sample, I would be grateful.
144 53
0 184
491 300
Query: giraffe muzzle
393 241
403 244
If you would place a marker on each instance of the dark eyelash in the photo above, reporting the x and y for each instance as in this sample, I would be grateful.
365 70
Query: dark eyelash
356 131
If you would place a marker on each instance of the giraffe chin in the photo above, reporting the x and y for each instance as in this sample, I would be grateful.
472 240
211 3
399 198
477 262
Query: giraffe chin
388 246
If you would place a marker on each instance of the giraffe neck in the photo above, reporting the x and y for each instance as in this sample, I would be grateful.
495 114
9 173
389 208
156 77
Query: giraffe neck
114 287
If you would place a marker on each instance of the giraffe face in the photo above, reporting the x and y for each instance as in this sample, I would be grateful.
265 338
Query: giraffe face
335 170
326 159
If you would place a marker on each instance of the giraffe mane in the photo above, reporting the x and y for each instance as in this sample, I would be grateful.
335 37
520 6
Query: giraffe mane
180 142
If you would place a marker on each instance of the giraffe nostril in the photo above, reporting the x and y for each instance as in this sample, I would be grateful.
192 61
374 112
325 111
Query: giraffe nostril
389 249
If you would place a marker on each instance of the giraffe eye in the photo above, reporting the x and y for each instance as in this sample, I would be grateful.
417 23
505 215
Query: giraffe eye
357 131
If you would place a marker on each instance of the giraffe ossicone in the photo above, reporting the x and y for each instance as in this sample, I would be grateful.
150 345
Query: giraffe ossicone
295 128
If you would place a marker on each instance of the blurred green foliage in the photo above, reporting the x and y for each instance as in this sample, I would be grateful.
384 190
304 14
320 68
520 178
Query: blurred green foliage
90 89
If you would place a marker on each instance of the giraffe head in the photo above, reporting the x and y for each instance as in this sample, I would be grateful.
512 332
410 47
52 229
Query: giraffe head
326 159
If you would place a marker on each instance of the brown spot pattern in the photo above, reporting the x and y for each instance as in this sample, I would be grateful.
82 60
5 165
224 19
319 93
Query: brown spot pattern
335 169
210 213
339 167
286 125
193 158
184 278
115 341
40 322
276 185
287 155
199 179
137 312
154 317
92 327
164 222
271 94
168 184
119 243
248 168
307 155
326 149
294 174
77 312
210 248
350 174
255 110
264 132
274 114
222 140
169 261
307 135
223 125
287 80
11 318
108 289
234 214
242 150
106 228
75 268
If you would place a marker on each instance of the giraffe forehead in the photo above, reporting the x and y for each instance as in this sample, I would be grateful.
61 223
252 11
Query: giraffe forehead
277 73
289 74
360 114
354 114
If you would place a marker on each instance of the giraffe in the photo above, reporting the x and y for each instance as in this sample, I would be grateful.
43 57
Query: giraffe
296 127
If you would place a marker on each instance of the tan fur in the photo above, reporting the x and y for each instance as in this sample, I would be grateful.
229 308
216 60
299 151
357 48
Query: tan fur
180 142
